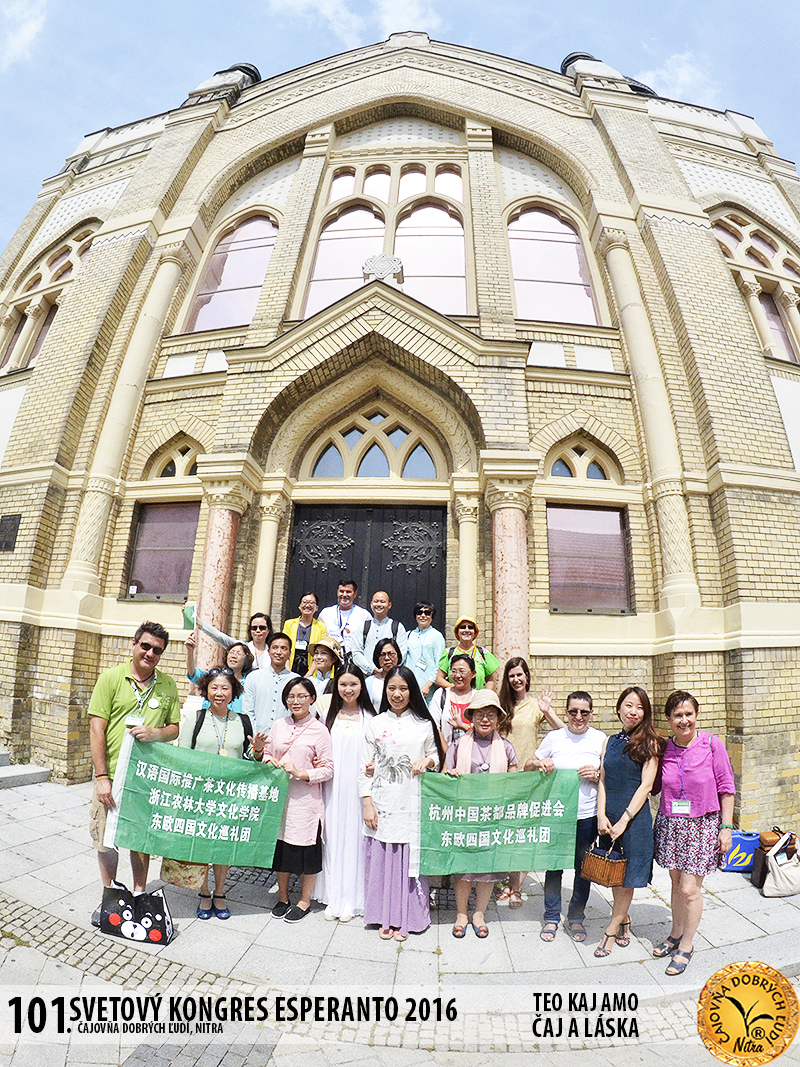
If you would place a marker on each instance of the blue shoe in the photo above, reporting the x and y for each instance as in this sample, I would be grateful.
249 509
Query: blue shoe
221 913
204 913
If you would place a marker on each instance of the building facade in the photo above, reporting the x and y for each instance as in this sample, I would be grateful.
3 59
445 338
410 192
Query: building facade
526 341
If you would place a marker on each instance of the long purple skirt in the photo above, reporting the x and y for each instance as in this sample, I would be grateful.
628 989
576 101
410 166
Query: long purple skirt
391 898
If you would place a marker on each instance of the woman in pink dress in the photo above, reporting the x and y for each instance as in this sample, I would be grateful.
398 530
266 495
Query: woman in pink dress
302 746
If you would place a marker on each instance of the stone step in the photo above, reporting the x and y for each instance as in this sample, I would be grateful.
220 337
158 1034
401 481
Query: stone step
22 774
5 758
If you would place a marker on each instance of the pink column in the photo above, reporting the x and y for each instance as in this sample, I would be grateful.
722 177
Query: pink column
511 636
216 578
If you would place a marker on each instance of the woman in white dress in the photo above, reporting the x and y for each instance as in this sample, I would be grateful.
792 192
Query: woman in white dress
341 884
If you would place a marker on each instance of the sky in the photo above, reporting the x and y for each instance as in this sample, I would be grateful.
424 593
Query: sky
70 67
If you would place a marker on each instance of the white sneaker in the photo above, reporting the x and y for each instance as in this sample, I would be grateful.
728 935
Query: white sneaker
328 913
345 917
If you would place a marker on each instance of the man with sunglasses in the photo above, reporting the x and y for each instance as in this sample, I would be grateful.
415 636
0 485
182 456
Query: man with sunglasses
133 696
577 746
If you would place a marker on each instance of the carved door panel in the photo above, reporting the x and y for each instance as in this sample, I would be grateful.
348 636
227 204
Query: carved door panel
399 549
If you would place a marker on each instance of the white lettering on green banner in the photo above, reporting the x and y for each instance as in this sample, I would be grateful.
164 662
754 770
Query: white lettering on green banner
190 805
482 823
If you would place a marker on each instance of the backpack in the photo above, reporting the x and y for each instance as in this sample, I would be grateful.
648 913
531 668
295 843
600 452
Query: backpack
247 726
369 622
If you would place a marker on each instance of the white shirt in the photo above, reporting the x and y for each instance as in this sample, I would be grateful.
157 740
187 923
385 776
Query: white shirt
261 699
346 626
395 743
569 751
364 650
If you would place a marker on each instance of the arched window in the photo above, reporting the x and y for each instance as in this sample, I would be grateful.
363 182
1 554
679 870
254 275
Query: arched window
766 269
430 243
580 458
551 277
232 281
344 245
377 443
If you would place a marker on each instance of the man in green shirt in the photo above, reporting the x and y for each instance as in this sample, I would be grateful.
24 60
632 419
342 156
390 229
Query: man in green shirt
137 697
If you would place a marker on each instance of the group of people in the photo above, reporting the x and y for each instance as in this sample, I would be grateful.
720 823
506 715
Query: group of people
355 708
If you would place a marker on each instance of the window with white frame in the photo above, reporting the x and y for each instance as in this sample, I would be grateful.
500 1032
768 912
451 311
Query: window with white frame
767 269
31 315
548 264
233 276
413 210
379 442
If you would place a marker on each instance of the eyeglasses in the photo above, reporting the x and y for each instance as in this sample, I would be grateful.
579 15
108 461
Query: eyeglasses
389 654
578 711
215 672
145 646
294 697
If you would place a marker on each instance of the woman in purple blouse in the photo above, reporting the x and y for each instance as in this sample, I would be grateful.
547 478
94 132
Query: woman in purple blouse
694 822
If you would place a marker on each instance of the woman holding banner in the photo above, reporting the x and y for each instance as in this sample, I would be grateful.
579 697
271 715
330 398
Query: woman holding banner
223 732
479 751
402 742
302 746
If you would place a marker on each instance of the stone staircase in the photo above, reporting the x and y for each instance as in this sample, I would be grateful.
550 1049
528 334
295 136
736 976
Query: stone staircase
20 773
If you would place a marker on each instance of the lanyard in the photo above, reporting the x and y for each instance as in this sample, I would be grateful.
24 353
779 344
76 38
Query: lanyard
142 696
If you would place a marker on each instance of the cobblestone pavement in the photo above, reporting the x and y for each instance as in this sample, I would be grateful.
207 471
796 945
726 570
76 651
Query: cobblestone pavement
49 886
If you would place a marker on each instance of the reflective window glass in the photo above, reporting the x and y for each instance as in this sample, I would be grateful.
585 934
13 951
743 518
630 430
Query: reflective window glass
412 182
419 464
551 277
594 470
164 539
448 182
329 464
374 464
343 246
430 243
353 436
777 326
397 436
231 284
560 469
342 185
377 184
41 337
588 561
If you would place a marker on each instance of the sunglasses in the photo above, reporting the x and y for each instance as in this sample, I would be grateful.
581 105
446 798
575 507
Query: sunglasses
145 646
424 612
257 628
215 672
577 711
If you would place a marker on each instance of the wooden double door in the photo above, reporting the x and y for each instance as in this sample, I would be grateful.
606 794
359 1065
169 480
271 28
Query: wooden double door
399 549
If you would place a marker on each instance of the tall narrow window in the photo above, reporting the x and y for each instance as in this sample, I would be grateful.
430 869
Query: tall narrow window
231 284
430 243
164 540
588 560
780 335
551 278
344 245
42 334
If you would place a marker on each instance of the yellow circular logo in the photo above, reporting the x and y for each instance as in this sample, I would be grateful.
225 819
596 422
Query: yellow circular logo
747 1014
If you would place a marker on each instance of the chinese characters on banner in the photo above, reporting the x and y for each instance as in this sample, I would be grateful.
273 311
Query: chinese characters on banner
482 823
193 806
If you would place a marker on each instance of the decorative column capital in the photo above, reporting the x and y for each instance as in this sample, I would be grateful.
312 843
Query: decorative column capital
788 299
466 506
508 493
507 477
610 239
273 505
176 253
229 480
748 286
35 310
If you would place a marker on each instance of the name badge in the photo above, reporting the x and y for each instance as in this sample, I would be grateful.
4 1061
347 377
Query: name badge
681 807
301 644
421 664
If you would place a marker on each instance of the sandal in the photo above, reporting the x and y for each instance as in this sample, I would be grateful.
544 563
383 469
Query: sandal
667 948
678 968
399 937
221 913
515 899
204 913
548 932
459 931
481 931
602 950
576 930
504 895
385 935
623 935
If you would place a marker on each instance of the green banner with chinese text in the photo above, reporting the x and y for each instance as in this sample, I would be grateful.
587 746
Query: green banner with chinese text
190 805
486 823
